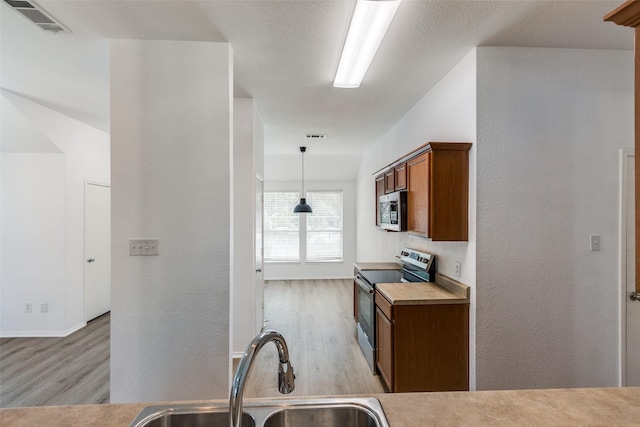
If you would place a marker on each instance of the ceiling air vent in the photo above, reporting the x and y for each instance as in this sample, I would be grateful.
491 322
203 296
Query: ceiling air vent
316 136
36 14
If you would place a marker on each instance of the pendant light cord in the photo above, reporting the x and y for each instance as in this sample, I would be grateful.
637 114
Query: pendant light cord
302 195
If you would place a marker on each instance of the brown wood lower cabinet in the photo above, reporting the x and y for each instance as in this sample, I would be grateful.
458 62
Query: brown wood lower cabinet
422 347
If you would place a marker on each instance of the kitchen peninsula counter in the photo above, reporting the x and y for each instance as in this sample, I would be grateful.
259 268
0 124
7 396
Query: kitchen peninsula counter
569 407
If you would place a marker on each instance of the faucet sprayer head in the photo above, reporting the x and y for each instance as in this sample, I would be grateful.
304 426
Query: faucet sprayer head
286 378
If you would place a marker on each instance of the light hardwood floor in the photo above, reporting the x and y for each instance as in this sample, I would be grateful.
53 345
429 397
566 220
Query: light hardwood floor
316 319
314 316
73 370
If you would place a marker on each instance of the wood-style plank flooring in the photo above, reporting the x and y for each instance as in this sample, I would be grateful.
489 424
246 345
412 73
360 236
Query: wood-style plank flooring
73 370
314 316
316 319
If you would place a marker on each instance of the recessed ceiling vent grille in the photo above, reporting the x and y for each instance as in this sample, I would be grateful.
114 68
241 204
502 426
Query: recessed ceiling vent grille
37 15
316 136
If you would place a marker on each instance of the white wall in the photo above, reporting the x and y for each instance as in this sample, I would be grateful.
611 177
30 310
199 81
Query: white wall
32 243
317 167
86 157
248 146
71 68
171 127
31 228
550 126
319 270
446 113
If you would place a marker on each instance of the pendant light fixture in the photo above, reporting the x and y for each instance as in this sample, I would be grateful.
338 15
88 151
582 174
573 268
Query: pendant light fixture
302 207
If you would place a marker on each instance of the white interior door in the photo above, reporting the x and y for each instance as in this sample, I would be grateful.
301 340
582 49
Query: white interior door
632 308
259 277
97 250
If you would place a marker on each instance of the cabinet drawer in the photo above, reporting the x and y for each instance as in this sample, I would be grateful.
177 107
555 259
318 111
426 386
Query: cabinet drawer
384 306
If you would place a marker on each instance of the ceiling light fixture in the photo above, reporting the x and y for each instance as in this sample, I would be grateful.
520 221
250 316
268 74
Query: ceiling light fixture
369 23
302 207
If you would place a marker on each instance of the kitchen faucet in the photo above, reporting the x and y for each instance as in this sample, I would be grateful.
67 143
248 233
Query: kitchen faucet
286 376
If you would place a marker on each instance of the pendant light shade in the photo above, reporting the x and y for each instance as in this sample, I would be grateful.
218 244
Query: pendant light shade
302 207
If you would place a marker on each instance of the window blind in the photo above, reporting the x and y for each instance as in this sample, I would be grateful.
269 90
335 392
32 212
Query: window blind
281 226
324 226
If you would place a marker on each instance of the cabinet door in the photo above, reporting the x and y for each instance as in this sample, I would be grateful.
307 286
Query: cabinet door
379 192
389 181
449 193
418 194
384 348
401 176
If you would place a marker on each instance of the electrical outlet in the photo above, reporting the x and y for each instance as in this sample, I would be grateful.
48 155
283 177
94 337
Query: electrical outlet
594 242
44 307
143 247
458 269
28 307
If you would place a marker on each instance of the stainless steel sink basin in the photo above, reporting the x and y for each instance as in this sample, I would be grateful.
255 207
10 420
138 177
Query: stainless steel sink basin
322 417
187 416
340 412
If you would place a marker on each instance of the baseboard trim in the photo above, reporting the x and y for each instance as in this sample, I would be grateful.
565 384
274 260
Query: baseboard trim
43 334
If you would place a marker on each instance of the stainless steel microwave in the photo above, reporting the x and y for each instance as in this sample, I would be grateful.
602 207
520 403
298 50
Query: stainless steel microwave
393 211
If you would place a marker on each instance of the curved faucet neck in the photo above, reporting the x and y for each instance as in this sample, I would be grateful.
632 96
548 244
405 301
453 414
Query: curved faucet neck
286 376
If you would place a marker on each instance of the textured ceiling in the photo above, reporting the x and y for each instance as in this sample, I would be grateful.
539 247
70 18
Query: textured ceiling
286 52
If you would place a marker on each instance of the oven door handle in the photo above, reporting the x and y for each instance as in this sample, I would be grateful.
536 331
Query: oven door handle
363 285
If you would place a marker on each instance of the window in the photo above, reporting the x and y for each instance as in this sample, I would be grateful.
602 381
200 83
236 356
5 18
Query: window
281 226
324 226
284 233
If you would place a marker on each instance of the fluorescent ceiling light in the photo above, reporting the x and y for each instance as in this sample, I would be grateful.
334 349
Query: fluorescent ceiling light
369 23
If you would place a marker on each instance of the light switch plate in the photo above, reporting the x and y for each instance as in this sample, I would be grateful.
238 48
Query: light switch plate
594 240
143 247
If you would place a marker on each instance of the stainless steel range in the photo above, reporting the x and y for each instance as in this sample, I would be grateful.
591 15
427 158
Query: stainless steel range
416 267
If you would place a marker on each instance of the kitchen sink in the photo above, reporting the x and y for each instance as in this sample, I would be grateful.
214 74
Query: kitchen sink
317 412
188 416
322 417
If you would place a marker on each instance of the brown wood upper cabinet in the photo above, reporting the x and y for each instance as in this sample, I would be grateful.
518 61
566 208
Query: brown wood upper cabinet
389 181
400 173
438 187
395 179
379 192
436 177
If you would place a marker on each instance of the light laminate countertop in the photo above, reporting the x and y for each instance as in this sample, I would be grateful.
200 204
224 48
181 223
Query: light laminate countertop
425 293
443 291
566 407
